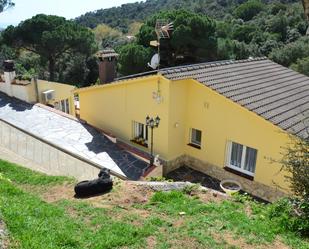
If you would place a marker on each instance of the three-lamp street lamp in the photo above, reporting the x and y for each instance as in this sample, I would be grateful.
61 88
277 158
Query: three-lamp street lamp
152 123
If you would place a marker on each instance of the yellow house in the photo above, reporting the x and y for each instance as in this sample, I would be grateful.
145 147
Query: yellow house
62 97
57 95
229 119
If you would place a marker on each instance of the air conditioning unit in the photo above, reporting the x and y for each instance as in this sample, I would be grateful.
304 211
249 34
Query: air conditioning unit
48 95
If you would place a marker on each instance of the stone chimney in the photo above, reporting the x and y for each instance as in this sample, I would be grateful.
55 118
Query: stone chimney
9 76
107 65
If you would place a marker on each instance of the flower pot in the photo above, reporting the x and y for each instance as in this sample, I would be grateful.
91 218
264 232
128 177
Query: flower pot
230 186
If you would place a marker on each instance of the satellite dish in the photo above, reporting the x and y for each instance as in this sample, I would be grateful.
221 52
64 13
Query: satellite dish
155 61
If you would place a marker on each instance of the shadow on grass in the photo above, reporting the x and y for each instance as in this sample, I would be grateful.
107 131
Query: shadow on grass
91 196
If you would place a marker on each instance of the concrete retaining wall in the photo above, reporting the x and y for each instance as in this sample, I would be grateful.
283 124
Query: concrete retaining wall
44 157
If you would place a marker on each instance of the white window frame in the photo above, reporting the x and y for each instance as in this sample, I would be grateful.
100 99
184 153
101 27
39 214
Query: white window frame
136 131
243 158
64 106
191 137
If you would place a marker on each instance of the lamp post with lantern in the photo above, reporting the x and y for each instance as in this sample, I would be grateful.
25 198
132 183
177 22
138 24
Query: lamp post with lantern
152 123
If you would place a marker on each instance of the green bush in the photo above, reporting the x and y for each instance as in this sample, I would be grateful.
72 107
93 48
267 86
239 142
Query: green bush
301 66
189 189
248 10
158 179
291 215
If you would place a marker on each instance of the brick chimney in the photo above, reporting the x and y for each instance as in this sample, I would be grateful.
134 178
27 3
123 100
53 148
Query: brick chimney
107 65
9 75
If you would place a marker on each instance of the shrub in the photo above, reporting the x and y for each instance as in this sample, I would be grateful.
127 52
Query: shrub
291 214
296 163
301 66
190 189
158 179
249 9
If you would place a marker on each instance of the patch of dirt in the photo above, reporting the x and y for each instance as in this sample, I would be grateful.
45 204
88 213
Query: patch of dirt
248 210
137 219
210 196
4 241
51 193
185 242
151 242
124 194
241 243
59 192
178 223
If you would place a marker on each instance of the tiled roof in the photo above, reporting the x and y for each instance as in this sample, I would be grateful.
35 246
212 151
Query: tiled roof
276 93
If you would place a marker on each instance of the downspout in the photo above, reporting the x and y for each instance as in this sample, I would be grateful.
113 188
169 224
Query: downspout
36 88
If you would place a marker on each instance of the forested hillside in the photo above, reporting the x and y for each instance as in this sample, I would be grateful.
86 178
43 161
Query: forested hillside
121 17
204 30
239 29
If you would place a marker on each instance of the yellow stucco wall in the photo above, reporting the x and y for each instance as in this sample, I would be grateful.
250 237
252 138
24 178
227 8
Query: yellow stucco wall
186 104
221 120
62 92
114 107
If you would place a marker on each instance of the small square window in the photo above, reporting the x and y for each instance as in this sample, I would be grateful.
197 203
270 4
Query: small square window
196 137
140 133
63 106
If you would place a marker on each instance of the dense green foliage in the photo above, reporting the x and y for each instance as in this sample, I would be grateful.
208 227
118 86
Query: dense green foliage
4 4
248 10
291 52
192 40
108 37
296 162
205 30
121 17
291 215
67 223
242 29
301 65
133 59
197 38
52 38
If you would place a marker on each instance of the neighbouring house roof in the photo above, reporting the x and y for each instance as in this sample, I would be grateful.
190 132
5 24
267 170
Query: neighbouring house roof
276 93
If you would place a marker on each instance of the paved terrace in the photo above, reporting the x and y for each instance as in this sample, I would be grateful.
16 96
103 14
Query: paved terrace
71 135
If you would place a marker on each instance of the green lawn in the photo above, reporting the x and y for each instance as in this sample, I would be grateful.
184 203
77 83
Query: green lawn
69 223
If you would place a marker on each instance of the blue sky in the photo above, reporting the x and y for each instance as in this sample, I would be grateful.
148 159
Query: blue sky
25 9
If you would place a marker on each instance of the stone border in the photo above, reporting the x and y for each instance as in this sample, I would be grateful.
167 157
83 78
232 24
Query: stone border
170 186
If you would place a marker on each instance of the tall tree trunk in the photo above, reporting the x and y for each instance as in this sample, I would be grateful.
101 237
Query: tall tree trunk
51 68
